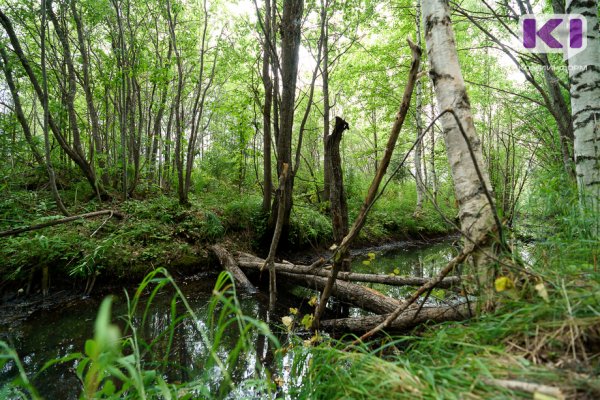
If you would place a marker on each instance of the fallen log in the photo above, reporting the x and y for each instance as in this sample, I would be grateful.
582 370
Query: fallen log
229 264
405 321
16 231
246 262
353 294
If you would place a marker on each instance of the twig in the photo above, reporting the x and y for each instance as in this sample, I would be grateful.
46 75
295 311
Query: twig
16 231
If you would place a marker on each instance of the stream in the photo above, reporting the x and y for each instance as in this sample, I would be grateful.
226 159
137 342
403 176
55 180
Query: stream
58 332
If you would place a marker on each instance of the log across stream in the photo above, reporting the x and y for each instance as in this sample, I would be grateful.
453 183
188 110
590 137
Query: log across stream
349 291
51 333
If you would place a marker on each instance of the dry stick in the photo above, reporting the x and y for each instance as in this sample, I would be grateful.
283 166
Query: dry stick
341 251
270 260
16 231
255 262
552 391
426 287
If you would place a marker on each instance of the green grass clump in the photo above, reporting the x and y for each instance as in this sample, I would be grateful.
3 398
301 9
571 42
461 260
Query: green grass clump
125 364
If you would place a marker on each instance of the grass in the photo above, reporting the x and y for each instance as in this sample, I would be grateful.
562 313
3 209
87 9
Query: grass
554 343
128 365
547 333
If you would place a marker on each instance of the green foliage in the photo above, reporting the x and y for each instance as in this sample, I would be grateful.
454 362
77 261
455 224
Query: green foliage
130 366
308 226
244 214
393 214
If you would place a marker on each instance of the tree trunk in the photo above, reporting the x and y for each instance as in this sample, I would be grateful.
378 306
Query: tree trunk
268 85
49 167
353 294
70 93
404 322
290 46
471 181
337 195
585 108
326 106
89 98
279 221
8 74
248 261
419 125
230 265
434 179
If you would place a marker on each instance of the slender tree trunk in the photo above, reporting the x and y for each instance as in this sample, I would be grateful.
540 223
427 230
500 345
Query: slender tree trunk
99 146
471 181
268 85
326 105
70 93
290 46
179 114
434 179
51 175
419 125
6 68
584 76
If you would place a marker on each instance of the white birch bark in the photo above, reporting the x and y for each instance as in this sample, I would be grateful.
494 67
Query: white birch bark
419 125
584 77
475 211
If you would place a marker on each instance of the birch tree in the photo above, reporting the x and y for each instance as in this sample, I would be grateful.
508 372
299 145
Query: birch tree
584 76
419 125
471 181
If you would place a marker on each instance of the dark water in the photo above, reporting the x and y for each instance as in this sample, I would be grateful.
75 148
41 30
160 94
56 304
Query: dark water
408 259
57 333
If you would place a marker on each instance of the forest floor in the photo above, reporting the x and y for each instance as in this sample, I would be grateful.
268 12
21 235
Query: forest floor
158 232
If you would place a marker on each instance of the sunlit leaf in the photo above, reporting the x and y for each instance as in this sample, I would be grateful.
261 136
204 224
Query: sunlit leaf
503 283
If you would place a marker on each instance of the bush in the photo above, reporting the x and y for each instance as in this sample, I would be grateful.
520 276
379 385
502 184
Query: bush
308 226
244 214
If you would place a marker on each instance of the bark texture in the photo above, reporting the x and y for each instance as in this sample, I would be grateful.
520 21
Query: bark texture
229 264
248 261
337 195
584 76
464 154
406 321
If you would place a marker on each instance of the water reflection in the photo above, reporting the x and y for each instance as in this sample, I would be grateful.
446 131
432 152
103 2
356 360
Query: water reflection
183 357
423 262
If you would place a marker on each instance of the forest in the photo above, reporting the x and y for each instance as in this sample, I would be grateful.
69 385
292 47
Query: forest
299 199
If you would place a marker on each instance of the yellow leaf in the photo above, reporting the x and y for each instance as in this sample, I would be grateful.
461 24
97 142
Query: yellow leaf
287 321
371 256
293 311
541 290
367 262
396 271
307 321
503 283
312 301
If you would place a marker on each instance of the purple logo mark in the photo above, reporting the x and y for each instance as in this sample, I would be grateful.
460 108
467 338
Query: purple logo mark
554 33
